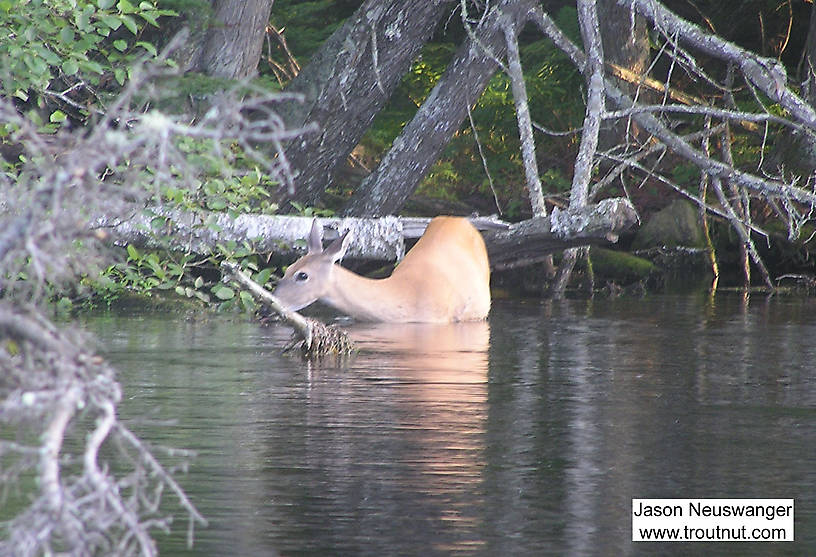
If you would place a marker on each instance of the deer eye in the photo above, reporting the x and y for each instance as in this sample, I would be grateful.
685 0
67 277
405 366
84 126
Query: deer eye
301 276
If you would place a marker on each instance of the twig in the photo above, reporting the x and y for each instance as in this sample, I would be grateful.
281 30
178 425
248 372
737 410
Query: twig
484 161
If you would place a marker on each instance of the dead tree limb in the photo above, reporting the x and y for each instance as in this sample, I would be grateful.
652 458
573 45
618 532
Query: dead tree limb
768 74
765 75
525 125
382 239
316 338
713 167
49 386
585 161
528 242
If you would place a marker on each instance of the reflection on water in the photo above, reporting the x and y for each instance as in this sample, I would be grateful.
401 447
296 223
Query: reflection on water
526 435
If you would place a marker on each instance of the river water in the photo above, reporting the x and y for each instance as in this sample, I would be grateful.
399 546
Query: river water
526 435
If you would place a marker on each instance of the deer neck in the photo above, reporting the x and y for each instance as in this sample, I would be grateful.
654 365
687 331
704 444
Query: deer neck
367 299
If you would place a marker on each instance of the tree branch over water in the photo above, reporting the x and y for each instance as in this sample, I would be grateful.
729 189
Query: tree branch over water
99 488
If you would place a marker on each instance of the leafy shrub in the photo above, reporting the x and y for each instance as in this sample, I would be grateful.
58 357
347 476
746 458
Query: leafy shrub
59 52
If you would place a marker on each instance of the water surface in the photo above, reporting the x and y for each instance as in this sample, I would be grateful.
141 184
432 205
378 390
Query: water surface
526 435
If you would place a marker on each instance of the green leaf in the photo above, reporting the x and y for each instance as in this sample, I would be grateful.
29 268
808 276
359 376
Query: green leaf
150 18
125 7
90 66
262 276
48 55
217 203
83 20
199 282
120 45
112 21
224 293
148 47
180 290
69 67
247 300
133 253
58 116
67 35
130 23
105 4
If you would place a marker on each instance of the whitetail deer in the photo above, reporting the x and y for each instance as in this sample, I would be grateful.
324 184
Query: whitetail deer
445 277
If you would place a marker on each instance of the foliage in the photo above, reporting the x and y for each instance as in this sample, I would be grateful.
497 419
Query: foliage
152 272
60 52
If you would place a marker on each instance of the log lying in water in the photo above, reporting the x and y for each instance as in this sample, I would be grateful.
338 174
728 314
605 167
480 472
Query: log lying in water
532 240
380 239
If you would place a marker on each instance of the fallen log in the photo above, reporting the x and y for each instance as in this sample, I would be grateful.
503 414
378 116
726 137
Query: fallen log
532 240
380 239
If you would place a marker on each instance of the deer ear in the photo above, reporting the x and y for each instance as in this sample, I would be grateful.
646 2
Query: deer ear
338 248
315 240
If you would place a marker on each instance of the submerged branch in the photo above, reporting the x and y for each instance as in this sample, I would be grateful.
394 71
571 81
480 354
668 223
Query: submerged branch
317 339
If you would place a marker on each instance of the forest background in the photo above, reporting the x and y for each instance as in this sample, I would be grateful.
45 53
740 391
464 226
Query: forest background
66 62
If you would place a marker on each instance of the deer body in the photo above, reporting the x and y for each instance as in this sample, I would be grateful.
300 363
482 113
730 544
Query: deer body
445 277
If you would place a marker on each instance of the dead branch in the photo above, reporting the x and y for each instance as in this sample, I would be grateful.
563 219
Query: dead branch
792 196
316 339
523 117
380 239
767 74
47 382
585 161
529 241
98 487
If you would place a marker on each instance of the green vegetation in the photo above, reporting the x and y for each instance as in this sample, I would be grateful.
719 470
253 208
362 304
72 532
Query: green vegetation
56 52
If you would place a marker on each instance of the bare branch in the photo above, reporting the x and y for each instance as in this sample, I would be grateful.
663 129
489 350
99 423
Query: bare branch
523 117
767 74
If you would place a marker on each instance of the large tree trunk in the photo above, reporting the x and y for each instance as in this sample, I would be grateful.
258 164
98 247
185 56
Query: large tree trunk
348 82
794 149
422 141
625 38
231 45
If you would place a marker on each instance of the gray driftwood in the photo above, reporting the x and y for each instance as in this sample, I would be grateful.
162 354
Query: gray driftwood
380 239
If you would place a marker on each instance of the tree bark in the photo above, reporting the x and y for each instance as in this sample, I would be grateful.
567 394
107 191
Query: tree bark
231 46
530 241
422 141
809 79
525 124
348 82
625 39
